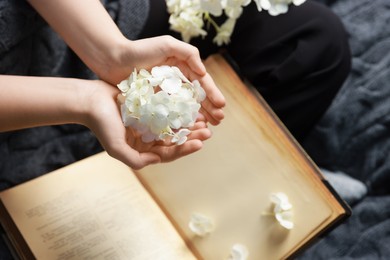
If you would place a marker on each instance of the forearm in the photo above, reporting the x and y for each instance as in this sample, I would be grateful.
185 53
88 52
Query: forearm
87 28
37 101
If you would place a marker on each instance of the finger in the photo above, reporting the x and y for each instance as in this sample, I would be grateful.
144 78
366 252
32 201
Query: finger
142 146
212 91
208 116
201 118
213 114
185 52
131 157
171 153
214 101
201 134
199 125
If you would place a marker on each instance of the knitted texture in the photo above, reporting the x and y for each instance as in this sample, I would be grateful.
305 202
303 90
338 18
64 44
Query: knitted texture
28 46
130 16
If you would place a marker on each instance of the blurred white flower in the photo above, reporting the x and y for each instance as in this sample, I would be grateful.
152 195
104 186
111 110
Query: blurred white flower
200 224
238 252
276 7
188 17
161 103
233 8
214 7
224 33
298 2
282 209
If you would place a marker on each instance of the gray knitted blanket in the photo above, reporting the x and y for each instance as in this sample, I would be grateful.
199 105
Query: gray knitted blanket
354 135
352 139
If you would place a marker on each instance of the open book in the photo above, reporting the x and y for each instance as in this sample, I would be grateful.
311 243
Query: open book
98 208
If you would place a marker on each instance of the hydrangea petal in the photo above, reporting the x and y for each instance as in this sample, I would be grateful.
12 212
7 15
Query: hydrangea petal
238 252
212 6
282 209
162 71
180 74
285 219
298 2
171 85
200 93
200 224
123 86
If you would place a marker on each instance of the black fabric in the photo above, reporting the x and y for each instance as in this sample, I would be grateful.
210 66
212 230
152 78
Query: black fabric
297 61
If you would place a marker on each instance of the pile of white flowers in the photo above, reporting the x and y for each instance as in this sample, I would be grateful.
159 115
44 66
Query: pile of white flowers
161 103
188 17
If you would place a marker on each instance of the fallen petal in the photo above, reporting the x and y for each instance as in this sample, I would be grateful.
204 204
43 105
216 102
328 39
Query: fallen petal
200 224
238 252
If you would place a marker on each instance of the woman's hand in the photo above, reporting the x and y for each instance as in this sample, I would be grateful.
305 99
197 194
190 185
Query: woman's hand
104 119
166 50
93 103
88 29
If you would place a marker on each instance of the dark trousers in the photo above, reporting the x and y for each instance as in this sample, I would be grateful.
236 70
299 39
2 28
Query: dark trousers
297 61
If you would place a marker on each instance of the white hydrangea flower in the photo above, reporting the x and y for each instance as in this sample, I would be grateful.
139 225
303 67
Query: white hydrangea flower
238 252
282 209
155 113
188 17
234 8
161 103
298 2
214 7
276 7
200 224
225 32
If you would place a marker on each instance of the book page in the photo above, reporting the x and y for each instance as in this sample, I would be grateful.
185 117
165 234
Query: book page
230 181
94 209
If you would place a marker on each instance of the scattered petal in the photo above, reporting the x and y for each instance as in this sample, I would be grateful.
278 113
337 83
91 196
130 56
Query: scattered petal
181 137
282 209
200 224
238 252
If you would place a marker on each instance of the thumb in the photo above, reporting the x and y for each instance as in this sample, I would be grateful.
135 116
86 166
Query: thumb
133 158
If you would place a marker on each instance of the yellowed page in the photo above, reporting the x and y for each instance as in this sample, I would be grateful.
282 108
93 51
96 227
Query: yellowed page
231 178
94 209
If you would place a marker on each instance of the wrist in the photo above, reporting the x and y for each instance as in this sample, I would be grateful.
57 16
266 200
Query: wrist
96 99
113 67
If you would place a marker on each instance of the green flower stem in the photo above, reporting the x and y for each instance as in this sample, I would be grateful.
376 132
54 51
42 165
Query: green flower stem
211 21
